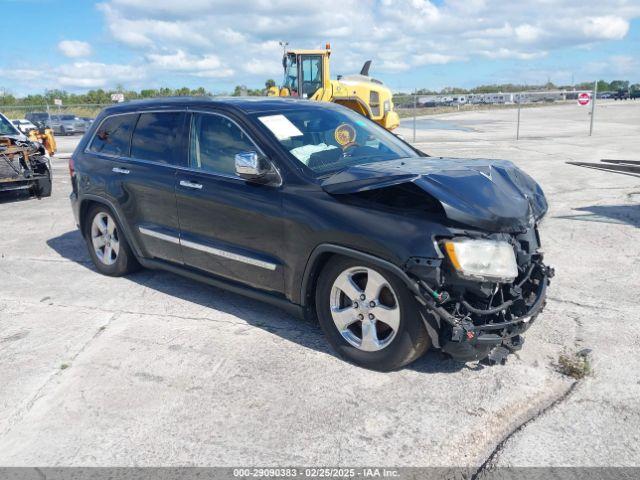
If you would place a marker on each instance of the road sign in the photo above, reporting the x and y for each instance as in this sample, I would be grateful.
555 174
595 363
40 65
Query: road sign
57 101
584 98
117 97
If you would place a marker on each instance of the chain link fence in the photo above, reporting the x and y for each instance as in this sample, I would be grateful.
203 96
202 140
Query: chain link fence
88 110
414 109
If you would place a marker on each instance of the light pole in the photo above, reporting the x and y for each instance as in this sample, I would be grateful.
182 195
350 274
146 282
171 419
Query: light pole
593 106
284 46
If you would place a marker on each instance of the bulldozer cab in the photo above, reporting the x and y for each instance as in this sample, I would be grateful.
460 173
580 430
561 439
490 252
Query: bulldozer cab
306 73
306 76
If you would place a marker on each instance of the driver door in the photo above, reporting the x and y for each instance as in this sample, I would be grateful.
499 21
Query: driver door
228 226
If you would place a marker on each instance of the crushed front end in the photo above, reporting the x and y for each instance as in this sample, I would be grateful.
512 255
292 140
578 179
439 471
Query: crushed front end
481 278
479 310
24 166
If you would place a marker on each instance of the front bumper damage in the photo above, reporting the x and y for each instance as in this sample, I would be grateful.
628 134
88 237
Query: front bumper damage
473 320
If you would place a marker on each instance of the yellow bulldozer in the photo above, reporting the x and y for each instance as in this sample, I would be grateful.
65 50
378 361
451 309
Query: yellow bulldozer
306 75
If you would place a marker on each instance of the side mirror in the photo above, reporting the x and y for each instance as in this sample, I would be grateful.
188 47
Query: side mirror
254 168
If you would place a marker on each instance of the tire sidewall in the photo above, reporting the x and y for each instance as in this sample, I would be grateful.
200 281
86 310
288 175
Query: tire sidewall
410 331
121 265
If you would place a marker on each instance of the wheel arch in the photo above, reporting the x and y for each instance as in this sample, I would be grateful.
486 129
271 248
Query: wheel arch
324 252
356 104
85 205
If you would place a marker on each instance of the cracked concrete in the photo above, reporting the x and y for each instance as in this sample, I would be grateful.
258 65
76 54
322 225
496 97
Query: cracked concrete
165 371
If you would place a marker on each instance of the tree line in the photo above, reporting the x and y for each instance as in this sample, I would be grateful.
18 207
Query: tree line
102 96
603 86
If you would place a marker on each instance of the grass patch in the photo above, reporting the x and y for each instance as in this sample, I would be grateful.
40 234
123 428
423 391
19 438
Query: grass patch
64 366
575 365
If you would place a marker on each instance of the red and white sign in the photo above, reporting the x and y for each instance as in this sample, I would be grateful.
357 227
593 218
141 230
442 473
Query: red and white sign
584 98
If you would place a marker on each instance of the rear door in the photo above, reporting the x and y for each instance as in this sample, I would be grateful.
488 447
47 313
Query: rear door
157 148
140 153
228 226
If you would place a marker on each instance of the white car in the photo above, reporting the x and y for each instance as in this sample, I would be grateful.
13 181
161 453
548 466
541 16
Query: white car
24 125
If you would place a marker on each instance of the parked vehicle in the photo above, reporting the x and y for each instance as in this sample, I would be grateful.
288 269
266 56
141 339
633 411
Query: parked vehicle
67 124
314 208
621 95
23 163
39 118
24 125
87 122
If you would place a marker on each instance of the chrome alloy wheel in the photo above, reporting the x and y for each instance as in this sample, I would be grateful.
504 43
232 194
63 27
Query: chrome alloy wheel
104 237
365 308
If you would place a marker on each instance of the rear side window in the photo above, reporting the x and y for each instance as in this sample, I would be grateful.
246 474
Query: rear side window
215 141
157 137
113 135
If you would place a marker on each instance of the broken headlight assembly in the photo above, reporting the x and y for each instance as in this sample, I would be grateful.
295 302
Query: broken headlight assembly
482 260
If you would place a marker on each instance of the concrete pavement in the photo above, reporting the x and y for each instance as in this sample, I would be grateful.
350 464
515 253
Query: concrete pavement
154 369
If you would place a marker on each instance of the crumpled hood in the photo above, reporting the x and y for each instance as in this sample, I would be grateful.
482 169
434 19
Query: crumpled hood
492 195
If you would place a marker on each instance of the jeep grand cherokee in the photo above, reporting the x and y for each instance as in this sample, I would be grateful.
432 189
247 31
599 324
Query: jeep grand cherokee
313 207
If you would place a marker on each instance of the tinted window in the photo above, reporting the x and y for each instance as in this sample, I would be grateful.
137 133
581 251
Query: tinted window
113 135
215 141
157 137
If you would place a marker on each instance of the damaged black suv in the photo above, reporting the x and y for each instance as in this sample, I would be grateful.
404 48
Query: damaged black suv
321 211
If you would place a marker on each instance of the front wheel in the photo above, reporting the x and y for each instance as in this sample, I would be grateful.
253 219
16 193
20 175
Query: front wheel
369 316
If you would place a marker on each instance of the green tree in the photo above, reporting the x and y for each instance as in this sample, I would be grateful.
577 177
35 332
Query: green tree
270 83
617 85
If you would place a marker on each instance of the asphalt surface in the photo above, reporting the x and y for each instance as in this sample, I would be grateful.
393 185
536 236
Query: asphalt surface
154 369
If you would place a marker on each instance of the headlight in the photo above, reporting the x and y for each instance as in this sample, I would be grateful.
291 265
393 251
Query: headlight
485 260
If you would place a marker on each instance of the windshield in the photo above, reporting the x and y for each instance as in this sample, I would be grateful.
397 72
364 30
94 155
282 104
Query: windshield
328 140
6 127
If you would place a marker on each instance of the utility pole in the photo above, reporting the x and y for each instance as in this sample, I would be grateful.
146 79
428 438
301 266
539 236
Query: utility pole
415 106
518 127
284 46
593 106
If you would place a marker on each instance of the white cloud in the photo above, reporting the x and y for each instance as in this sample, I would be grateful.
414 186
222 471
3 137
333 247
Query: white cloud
183 61
237 42
74 48
396 34
435 59
528 33
607 27
96 74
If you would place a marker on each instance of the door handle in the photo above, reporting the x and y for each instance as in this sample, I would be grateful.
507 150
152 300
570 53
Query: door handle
123 171
186 183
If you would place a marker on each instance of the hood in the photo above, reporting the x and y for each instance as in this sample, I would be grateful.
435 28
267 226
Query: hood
492 195
20 137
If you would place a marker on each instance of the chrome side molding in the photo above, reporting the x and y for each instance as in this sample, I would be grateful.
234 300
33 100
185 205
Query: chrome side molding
210 250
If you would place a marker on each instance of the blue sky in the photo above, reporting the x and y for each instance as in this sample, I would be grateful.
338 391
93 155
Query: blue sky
217 44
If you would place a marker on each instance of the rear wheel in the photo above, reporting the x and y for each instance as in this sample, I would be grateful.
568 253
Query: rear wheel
369 316
107 244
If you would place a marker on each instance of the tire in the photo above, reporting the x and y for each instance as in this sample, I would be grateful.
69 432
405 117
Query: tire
392 338
108 247
42 187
